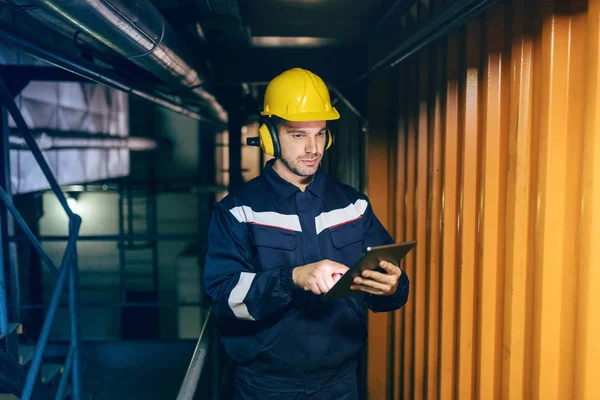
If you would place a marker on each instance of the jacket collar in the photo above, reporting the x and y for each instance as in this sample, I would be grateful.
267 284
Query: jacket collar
283 189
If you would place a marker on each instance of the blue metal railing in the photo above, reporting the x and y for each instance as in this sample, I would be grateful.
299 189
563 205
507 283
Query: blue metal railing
194 371
66 275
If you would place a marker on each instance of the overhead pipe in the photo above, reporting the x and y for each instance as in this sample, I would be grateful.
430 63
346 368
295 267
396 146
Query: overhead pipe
451 17
52 141
91 71
139 32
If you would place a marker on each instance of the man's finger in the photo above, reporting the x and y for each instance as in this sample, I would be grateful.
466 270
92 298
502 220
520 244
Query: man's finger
389 267
338 268
372 283
366 289
328 280
380 277
321 284
336 277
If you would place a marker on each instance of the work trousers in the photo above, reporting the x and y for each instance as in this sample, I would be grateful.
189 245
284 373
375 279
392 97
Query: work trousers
346 389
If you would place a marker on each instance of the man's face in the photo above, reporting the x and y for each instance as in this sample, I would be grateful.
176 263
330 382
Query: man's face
302 146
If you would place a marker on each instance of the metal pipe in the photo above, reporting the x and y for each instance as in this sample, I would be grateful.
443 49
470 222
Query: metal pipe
47 141
28 233
192 376
45 332
346 102
121 241
74 313
138 31
121 305
91 71
111 238
400 7
62 386
3 304
452 16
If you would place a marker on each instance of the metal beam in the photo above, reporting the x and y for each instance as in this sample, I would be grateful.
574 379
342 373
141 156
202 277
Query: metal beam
395 12
113 238
451 17
9 250
40 73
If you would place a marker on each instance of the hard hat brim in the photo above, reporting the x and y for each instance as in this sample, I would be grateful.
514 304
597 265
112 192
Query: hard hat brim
307 116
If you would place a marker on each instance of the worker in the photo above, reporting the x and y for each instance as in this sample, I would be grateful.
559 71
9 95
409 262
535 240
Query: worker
280 241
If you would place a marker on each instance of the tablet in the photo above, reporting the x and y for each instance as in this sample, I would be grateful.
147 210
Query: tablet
393 253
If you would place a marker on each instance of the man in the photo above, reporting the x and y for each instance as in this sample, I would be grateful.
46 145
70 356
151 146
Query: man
280 241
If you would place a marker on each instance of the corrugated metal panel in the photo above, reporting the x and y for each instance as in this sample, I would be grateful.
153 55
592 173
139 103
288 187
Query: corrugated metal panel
493 165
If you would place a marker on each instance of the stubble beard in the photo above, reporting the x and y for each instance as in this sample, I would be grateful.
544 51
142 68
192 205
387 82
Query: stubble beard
297 168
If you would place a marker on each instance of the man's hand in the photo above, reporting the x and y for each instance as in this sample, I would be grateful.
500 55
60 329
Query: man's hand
318 277
378 283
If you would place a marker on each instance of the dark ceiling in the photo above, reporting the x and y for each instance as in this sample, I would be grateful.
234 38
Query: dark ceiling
211 54
250 41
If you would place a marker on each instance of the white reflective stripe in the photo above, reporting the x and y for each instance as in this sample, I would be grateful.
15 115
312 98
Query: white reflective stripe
267 218
238 294
340 216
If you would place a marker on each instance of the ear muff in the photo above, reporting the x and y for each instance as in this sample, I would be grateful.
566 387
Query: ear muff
329 140
269 140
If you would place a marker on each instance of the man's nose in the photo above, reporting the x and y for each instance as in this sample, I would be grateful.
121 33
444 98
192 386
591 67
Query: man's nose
311 145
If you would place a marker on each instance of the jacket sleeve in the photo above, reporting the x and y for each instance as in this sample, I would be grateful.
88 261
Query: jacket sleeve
231 282
376 235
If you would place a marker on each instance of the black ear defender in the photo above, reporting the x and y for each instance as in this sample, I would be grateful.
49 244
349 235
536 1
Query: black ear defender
268 139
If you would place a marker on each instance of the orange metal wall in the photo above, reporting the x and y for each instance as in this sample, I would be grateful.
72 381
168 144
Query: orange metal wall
485 147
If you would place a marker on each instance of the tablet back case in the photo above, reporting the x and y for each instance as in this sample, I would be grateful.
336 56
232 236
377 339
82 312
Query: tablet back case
393 253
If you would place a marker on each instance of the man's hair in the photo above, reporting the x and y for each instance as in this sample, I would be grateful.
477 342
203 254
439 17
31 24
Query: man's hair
278 122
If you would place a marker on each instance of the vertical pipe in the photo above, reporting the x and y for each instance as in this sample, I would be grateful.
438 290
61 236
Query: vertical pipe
3 305
153 225
122 270
154 229
9 251
236 121
64 379
4 243
130 230
74 311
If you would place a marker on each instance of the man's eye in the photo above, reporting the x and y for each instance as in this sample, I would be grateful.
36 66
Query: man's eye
321 133
298 136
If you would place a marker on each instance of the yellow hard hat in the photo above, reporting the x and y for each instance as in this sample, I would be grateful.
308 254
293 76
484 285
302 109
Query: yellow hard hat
299 95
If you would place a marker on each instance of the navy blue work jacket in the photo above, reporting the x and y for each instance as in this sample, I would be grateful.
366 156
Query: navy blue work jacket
281 337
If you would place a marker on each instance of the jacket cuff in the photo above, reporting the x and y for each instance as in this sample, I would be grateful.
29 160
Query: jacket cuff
286 280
